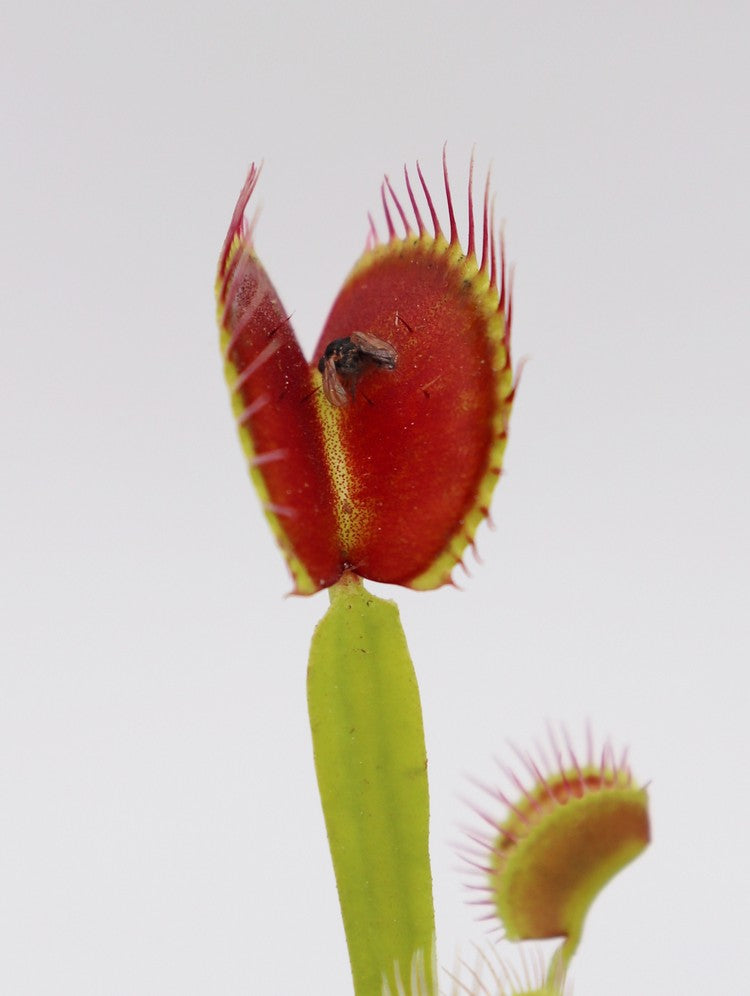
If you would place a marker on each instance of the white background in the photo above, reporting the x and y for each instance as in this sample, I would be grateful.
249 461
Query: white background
160 830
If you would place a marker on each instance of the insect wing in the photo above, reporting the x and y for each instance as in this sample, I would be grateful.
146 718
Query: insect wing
333 388
375 349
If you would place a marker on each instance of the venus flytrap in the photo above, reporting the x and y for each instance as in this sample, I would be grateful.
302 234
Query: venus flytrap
489 974
391 480
378 460
569 827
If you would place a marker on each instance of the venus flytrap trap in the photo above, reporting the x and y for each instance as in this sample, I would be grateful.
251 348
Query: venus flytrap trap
377 460
569 827
380 456
489 974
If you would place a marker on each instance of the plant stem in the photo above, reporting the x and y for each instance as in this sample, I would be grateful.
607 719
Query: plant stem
370 759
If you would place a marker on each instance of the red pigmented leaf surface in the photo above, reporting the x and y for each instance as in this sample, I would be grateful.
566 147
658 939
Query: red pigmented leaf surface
272 386
392 483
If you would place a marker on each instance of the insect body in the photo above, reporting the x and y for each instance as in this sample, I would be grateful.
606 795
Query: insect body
345 360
